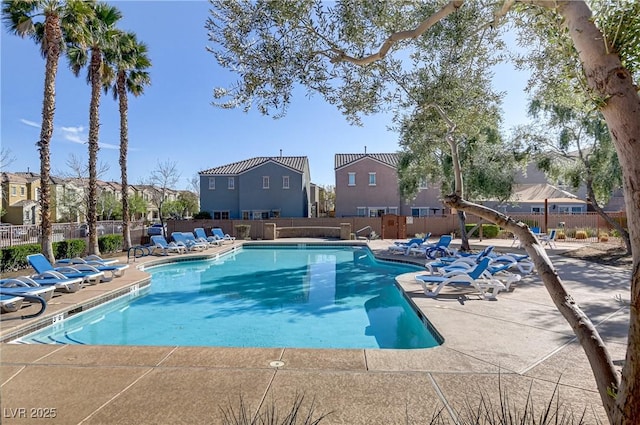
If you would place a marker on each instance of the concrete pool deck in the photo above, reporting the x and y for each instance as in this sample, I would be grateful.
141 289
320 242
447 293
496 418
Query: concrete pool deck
519 341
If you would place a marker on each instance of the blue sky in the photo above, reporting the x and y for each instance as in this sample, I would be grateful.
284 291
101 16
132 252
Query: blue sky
174 119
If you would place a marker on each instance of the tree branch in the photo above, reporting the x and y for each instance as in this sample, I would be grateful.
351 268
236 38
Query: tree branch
446 10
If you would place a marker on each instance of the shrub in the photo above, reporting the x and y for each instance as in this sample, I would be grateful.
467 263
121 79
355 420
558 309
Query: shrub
202 215
110 243
581 234
243 231
488 230
604 237
15 257
571 233
560 235
69 248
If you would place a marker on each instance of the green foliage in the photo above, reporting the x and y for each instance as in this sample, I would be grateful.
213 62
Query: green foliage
110 243
15 257
69 248
488 230
202 215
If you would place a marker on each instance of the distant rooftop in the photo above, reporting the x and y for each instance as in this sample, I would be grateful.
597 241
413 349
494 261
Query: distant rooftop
342 159
296 163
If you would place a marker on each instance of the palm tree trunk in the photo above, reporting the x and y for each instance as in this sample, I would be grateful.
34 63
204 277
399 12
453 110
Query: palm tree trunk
124 143
94 127
53 37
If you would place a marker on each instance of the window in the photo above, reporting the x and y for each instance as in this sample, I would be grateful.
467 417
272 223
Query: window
274 214
265 183
372 179
419 212
246 215
232 183
14 191
212 183
393 210
423 183
221 215
22 191
577 210
362 212
376 212
285 182
537 210
352 179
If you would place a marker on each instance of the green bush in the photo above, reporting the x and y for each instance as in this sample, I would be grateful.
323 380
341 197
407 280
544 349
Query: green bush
488 230
202 215
15 257
69 248
110 243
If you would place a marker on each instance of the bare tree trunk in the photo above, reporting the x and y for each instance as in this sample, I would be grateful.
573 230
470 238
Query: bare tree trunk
124 144
53 37
94 127
613 83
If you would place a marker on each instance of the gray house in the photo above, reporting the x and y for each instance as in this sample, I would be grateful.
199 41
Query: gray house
257 188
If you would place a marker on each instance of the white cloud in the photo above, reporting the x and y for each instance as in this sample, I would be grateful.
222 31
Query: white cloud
29 123
108 146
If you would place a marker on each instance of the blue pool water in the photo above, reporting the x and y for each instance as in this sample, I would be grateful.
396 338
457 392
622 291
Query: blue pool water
317 297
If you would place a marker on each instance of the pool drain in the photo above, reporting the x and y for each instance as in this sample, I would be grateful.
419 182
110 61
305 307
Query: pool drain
276 363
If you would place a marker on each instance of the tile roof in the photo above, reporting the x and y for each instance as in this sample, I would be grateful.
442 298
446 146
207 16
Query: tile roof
296 163
342 159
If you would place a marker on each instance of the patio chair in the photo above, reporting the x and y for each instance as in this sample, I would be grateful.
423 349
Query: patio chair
440 248
116 270
404 247
549 240
89 274
13 286
201 236
192 245
10 303
58 281
488 288
161 244
220 235
89 259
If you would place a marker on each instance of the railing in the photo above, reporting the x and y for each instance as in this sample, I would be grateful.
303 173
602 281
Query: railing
362 230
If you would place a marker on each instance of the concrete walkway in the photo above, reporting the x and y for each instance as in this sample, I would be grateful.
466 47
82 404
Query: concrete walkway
519 342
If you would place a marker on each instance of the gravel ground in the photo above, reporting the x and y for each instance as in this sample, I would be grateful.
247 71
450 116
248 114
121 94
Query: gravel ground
610 253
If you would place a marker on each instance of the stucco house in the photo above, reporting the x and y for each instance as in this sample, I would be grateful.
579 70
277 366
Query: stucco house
257 188
367 186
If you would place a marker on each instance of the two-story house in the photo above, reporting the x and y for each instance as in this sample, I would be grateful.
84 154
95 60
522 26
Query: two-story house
257 188
367 186
20 198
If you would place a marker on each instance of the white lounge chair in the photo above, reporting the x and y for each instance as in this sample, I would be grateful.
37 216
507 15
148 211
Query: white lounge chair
192 245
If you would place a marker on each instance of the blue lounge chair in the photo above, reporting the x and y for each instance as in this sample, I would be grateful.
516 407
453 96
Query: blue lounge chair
440 248
116 270
201 236
91 258
192 245
404 247
88 273
220 235
488 288
58 281
13 286
10 303
193 241
160 243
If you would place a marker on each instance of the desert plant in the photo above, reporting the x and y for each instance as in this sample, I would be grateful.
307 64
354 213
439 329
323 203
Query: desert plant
603 237
243 231
561 235
581 234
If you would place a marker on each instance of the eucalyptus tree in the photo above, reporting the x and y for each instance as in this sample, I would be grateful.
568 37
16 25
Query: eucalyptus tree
96 34
127 61
274 45
46 22
574 145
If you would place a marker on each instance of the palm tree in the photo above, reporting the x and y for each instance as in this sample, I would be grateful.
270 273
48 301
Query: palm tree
128 62
44 22
95 35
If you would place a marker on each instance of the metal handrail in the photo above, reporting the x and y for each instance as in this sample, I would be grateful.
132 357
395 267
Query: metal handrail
365 228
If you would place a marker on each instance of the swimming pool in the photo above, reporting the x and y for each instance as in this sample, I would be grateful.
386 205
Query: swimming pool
259 296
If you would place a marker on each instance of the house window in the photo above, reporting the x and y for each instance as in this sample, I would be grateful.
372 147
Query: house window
537 210
265 182
212 183
285 182
274 214
420 212
393 210
232 183
376 212
362 212
372 179
21 191
352 179
246 215
221 215
423 183
577 210
14 191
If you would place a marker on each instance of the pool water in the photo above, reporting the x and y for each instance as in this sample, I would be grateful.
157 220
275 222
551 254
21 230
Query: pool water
312 297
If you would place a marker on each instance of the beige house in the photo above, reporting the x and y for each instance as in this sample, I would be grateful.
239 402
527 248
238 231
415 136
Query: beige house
20 198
